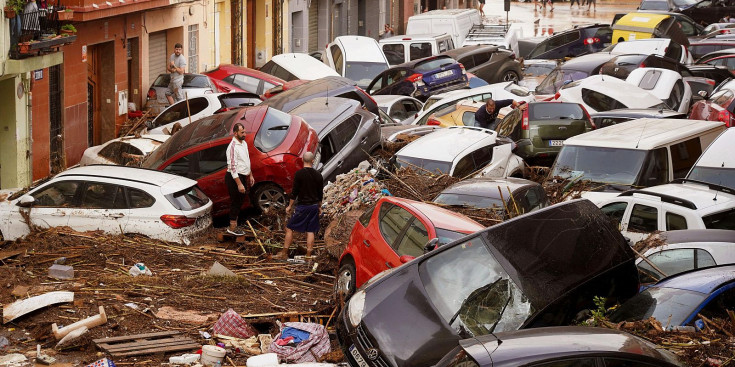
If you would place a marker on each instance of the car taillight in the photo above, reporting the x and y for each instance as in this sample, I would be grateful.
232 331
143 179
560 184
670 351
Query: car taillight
725 117
414 78
462 67
152 94
589 118
224 109
710 82
557 95
642 65
524 125
177 221
591 40
433 122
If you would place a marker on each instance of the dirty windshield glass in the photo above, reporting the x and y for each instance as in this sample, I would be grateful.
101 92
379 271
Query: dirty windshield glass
719 176
426 164
554 81
363 72
472 292
475 201
272 131
594 164
670 306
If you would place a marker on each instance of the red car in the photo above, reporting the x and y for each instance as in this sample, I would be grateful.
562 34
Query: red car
284 87
276 142
393 232
719 107
233 78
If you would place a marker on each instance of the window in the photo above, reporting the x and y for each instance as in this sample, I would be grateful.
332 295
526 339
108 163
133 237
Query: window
411 107
193 49
722 220
673 51
200 163
267 86
173 113
272 131
675 98
688 29
365 217
419 50
140 199
656 168
345 131
468 118
582 362
684 155
464 167
393 219
413 240
433 64
483 156
121 153
468 62
562 39
233 100
643 218
650 79
722 98
245 82
675 221
675 261
600 102
394 76
615 211
395 54
188 199
337 59
718 306
445 45
399 112
57 195
97 195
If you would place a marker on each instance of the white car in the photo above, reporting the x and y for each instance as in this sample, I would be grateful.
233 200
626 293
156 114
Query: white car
717 163
685 250
673 206
400 109
295 66
667 85
460 151
599 93
653 46
194 85
113 199
125 151
356 58
497 91
185 112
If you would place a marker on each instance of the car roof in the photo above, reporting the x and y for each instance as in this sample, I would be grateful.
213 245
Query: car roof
168 183
145 143
326 85
587 62
700 280
415 37
618 89
465 50
639 113
643 134
698 235
360 43
536 344
440 217
700 195
488 187
720 153
237 69
462 93
664 83
411 64
451 142
320 112
303 66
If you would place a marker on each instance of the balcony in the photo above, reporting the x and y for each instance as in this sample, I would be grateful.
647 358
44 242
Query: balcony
86 10
36 33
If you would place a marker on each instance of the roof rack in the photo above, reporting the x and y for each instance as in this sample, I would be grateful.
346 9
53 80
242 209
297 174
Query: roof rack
665 198
711 186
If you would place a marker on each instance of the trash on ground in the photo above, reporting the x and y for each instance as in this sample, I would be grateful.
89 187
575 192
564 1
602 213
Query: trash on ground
89 323
149 343
218 269
61 271
139 269
28 305
232 324
300 342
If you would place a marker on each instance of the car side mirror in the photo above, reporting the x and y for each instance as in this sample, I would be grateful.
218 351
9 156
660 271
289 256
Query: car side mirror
431 245
26 201
702 93
405 258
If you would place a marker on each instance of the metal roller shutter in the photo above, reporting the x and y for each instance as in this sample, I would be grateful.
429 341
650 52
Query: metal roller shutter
314 26
157 56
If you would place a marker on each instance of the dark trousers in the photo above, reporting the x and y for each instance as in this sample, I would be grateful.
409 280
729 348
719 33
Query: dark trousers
236 198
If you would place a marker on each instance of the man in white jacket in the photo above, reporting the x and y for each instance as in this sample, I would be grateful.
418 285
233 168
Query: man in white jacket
238 171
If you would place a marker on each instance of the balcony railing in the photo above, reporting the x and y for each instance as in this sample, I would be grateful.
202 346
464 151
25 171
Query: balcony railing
37 32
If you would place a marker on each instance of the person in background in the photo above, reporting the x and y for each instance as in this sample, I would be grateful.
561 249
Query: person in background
307 194
487 115
387 31
238 172
481 7
176 65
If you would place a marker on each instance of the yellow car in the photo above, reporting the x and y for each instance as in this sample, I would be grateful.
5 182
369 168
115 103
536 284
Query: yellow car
637 26
461 114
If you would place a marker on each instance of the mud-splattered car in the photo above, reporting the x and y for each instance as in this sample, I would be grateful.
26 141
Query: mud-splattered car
113 199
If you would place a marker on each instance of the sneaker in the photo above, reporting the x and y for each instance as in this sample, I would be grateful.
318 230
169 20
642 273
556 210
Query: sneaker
236 232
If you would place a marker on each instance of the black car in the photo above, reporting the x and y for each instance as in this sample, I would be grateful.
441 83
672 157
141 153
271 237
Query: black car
330 86
522 273
621 66
564 346
666 5
612 117
714 54
421 78
710 11
575 42
489 63
348 134
573 70
515 194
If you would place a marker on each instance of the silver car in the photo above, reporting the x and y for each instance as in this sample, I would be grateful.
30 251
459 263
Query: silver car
194 85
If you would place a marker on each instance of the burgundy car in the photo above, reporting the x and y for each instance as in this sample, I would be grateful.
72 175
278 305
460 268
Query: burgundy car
233 78
276 142
719 107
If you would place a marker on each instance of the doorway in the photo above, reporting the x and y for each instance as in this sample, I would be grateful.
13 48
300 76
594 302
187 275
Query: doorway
251 33
57 160
101 96
361 10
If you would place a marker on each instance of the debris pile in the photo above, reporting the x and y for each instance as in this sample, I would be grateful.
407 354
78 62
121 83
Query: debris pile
354 190
559 189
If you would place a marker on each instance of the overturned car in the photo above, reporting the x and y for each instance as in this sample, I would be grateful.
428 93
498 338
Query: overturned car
539 269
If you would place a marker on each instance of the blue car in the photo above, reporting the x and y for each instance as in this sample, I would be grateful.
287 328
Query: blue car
421 78
677 300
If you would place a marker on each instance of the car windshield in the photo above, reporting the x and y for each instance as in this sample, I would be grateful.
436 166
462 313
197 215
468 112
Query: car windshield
273 130
714 175
426 164
557 78
196 81
670 306
474 201
480 299
363 72
654 5
539 69
594 164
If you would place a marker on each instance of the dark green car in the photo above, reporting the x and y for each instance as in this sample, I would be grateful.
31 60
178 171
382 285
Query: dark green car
539 131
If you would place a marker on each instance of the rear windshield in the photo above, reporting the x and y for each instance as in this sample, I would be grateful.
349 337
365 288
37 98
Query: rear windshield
188 199
716 175
555 111
196 81
554 81
434 64
722 220
482 202
539 69
426 164
273 130
363 72
229 101
669 306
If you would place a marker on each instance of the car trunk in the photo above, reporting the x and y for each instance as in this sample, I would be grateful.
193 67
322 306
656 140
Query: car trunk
555 122
558 130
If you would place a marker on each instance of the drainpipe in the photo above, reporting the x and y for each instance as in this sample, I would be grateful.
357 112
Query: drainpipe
29 113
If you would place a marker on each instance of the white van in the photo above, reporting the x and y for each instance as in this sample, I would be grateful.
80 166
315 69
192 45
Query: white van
356 57
400 49
455 22
717 163
295 66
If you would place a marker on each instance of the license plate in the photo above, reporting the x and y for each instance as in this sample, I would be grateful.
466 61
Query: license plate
358 358
556 143
443 74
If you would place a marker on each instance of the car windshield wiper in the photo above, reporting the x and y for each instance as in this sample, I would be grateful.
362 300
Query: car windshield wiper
280 127
471 297
492 328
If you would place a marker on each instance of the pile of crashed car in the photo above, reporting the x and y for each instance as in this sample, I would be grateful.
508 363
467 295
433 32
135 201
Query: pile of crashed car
629 113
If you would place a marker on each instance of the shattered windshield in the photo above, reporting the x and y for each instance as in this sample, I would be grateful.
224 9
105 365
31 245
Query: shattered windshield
594 164
478 300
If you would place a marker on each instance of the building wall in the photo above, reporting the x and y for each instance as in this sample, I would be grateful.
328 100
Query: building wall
264 32
224 27
14 134
298 34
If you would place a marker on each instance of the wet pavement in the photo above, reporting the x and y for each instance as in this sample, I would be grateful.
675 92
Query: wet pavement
543 22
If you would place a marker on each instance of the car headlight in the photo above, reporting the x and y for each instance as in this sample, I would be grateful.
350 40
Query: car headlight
356 308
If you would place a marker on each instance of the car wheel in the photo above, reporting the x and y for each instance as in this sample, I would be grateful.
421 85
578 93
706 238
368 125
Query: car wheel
269 196
510 76
344 285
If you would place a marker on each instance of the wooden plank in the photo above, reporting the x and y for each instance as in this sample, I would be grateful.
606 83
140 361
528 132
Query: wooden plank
143 344
133 337
274 314
10 253
159 350
28 305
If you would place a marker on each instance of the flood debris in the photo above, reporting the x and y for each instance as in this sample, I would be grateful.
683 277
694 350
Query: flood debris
26 306
88 323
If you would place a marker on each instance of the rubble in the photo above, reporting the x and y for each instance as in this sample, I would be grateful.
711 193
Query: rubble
351 191
22 307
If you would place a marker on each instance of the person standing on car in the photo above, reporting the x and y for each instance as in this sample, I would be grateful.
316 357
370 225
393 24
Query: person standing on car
481 7
487 115
176 65
238 172
307 194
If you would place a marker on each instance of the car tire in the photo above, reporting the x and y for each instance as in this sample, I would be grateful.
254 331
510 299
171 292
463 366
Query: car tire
269 196
344 284
510 76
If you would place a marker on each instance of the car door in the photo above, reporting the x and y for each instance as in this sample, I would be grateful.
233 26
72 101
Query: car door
391 223
347 148
617 211
53 204
642 221
141 218
102 206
